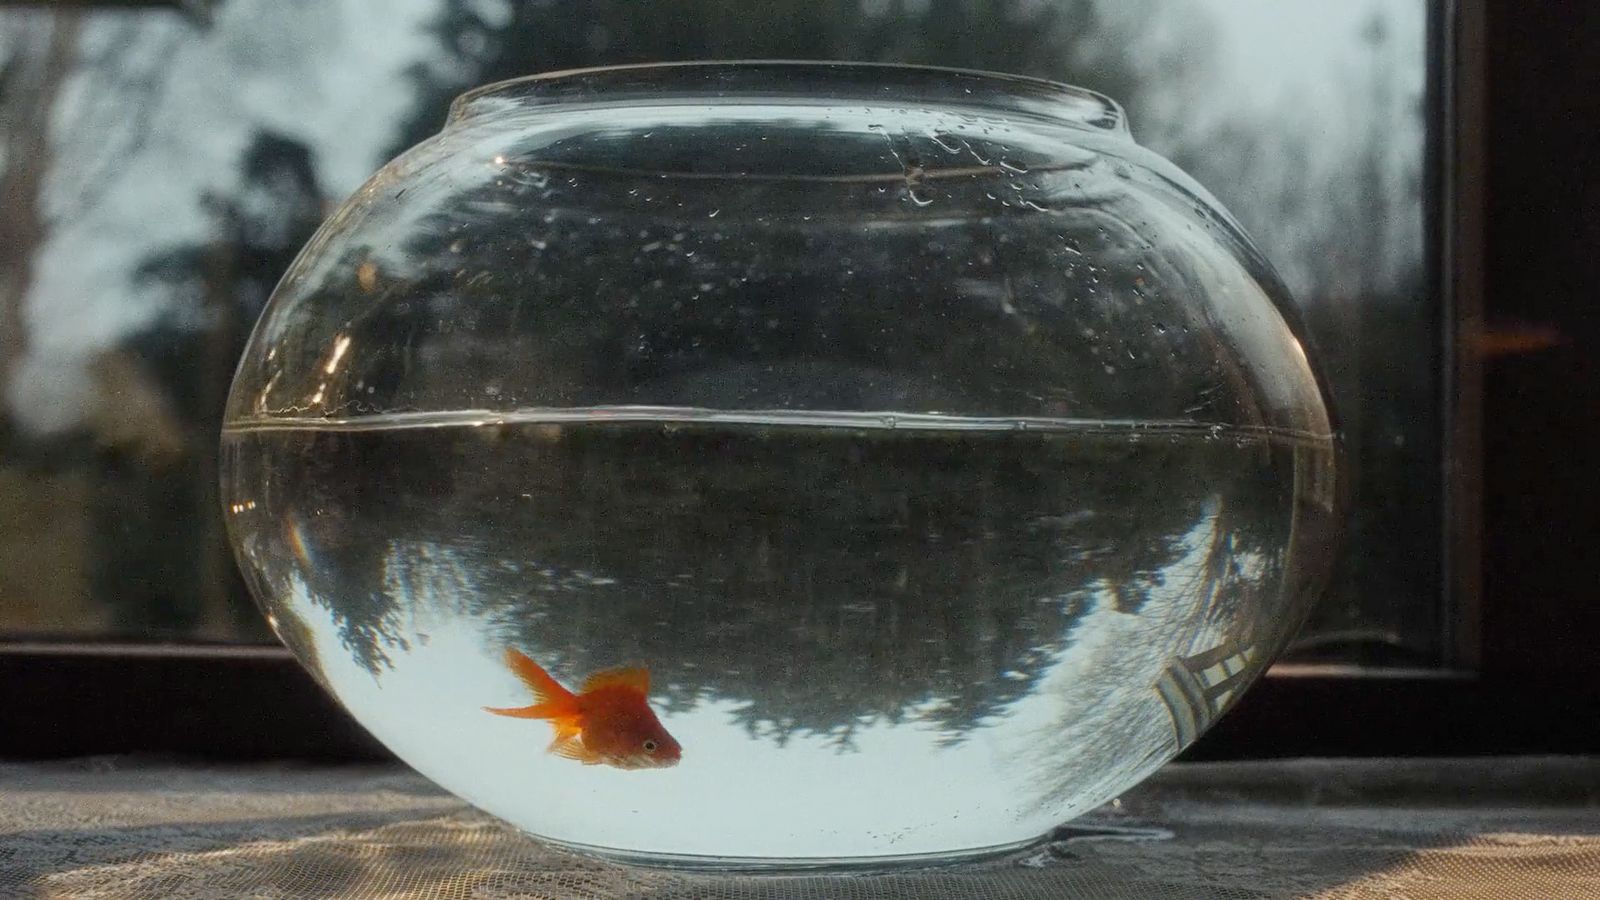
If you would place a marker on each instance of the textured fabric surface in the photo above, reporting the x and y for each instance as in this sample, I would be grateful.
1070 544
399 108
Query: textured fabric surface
1505 829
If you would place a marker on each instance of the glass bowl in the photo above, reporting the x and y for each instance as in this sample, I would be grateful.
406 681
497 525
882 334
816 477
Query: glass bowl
781 464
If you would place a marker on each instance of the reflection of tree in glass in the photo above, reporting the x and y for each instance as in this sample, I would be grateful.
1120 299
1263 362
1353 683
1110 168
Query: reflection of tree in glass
822 579
1231 590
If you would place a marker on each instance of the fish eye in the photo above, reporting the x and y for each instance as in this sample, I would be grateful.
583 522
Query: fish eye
649 746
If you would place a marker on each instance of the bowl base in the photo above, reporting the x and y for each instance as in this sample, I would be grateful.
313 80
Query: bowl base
853 865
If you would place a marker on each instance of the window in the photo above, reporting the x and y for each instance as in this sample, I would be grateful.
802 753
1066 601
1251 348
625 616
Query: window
162 166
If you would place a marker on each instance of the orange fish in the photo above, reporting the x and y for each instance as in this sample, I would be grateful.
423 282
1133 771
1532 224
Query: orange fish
607 722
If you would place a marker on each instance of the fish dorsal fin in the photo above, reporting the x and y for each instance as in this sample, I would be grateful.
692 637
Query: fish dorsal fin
633 677
546 690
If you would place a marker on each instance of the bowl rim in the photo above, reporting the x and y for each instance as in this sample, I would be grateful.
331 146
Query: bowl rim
1108 114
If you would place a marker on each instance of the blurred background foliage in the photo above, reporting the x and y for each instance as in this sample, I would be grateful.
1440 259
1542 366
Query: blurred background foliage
161 166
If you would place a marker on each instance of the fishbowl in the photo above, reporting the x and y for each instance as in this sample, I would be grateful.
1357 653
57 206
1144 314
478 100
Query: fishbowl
782 464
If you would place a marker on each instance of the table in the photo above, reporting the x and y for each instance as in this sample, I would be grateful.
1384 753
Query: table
1421 829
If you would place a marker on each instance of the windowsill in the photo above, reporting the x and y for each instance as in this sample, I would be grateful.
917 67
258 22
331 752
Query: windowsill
1438 829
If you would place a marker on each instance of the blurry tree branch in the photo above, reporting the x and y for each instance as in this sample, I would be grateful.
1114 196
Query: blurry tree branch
124 76
37 64
201 12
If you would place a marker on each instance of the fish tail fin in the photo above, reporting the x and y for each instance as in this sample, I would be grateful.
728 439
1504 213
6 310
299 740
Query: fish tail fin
536 711
546 690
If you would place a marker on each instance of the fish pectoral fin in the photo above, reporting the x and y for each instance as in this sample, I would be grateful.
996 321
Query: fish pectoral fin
633 677
573 748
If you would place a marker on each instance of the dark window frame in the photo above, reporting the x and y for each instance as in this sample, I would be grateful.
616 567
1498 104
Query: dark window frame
231 702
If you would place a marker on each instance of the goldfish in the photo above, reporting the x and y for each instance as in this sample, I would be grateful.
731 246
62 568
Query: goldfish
607 722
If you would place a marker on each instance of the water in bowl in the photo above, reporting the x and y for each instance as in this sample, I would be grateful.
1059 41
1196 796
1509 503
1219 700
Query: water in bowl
874 636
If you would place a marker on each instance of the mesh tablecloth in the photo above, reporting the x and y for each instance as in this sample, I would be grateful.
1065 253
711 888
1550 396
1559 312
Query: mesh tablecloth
1506 829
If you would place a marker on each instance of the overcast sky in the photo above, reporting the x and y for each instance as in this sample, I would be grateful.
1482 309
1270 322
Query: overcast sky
1283 49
